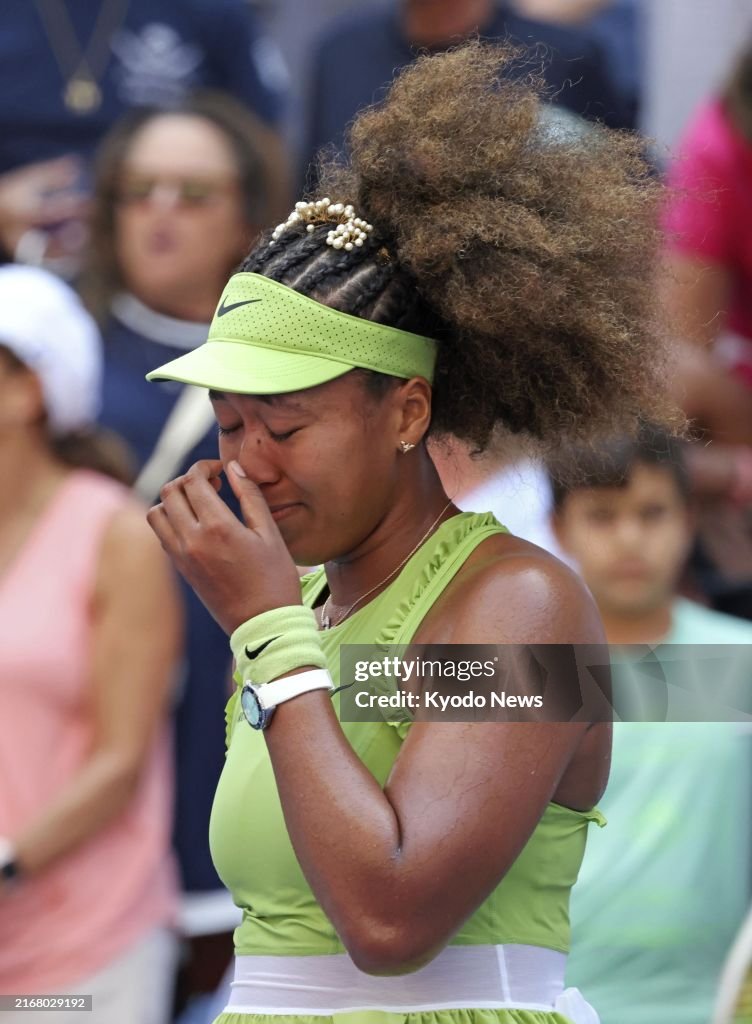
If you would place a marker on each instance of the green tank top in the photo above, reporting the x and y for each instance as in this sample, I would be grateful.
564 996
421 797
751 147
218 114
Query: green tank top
250 845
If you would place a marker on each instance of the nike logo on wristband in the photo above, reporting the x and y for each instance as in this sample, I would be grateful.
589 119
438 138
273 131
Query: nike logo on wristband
224 308
252 655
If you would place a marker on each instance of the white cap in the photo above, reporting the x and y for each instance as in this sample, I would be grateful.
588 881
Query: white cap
43 322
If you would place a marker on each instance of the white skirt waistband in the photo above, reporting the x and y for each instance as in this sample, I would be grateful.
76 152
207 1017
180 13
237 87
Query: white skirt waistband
460 977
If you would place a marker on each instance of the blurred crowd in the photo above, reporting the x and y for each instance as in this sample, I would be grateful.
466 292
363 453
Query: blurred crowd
144 145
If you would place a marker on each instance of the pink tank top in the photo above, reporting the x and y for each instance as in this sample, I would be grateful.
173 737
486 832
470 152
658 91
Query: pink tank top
90 905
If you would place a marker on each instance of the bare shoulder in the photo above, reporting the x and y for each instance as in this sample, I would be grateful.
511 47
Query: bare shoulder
511 591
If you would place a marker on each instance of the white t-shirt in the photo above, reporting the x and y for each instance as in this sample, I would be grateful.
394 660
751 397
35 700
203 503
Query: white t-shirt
520 498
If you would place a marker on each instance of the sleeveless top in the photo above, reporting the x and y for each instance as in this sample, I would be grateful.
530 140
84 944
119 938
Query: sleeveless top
250 845
88 906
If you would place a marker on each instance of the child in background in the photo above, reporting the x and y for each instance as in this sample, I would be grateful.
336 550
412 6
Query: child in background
665 886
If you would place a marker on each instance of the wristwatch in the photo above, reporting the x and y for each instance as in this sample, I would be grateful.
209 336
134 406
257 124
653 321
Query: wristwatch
9 870
260 702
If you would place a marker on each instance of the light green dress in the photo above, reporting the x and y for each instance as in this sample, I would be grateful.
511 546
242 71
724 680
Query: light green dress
256 861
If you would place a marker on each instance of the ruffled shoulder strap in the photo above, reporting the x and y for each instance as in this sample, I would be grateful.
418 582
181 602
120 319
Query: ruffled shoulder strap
394 616
431 570
420 584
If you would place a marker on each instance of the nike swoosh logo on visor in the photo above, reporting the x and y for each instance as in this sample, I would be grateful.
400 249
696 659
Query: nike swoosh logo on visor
224 308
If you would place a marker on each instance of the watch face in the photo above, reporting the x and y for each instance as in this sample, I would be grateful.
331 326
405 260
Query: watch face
252 709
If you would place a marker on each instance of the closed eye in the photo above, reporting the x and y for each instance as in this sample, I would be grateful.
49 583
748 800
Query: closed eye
283 437
224 431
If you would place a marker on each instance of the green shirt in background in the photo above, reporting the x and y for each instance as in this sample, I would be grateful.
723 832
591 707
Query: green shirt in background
663 889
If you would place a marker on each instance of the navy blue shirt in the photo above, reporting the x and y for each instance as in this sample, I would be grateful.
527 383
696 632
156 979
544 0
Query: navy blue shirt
162 49
359 56
137 410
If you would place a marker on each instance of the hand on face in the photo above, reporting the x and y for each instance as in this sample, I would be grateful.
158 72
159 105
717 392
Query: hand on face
237 571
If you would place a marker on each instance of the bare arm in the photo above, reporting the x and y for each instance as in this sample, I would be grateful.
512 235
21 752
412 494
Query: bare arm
395 880
135 646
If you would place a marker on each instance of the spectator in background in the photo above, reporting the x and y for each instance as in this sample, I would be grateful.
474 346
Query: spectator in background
709 223
359 55
89 638
672 870
708 295
616 25
70 68
178 198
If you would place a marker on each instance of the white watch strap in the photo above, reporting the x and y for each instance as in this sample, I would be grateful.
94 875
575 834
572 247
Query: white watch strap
280 690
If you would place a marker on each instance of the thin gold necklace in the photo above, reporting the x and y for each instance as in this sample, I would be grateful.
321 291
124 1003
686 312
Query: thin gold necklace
326 622
82 67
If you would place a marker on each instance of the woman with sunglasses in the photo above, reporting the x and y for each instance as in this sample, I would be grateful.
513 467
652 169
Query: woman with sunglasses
476 269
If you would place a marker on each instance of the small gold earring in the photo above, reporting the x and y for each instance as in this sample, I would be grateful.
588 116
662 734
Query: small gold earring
405 447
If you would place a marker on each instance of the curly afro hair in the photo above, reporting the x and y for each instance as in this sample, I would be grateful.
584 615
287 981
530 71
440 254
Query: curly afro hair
523 243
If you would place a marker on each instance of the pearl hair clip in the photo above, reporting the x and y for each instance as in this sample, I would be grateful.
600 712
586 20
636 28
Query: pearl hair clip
350 232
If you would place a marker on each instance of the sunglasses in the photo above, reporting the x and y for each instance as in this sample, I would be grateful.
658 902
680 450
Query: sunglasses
191 192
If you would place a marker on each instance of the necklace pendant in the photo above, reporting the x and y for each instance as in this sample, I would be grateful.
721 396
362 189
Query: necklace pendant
326 622
82 95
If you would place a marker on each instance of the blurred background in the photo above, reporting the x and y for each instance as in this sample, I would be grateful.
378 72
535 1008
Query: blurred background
144 145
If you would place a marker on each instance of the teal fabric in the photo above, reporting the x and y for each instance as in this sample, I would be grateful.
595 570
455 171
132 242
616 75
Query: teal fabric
663 889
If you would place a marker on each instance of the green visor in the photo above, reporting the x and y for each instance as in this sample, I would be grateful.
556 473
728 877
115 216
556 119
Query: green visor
268 339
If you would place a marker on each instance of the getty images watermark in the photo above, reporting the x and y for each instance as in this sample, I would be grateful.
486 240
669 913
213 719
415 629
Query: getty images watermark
427 672
546 683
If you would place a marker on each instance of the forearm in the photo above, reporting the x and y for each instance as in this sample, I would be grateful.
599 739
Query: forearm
347 836
399 870
91 800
